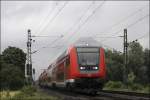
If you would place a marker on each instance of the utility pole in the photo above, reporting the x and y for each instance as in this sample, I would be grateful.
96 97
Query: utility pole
33 75
28 65
125 50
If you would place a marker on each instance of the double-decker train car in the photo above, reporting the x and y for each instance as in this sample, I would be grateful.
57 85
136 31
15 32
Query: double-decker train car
80 67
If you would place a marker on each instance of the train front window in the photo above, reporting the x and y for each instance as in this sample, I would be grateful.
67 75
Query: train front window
88 59
88 56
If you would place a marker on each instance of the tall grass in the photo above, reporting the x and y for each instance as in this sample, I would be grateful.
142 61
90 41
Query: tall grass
134 87
26 93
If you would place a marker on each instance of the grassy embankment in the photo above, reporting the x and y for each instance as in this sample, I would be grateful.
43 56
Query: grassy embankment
26 93
31 93
119 86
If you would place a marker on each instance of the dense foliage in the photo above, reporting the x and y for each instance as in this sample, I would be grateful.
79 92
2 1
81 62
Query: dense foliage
12 68
137 68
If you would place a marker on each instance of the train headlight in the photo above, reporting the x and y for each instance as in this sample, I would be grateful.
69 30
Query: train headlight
95 67
82 68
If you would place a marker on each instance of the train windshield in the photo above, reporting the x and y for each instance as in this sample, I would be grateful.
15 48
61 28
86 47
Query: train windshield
88 56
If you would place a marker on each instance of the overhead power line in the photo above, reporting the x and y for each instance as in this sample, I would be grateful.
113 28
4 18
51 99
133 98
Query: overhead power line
130 25
49 45
47 17
77 21
87 19
51 36
53 18
138 21
93 12
111 48
124 19
80 18
141 37
107 37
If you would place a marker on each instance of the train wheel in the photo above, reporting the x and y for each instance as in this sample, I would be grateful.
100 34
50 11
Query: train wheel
53 85
93 92
69 87
101 86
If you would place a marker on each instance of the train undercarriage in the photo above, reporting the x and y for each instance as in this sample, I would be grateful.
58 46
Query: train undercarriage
86 85
83 85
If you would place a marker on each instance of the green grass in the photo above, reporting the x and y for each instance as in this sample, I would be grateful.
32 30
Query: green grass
26 93
134 87
7 93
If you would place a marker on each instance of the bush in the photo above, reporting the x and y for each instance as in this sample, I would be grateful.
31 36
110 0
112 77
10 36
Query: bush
11 77
114 85
146 89
26 91
29 90
132 87
135 87
31 93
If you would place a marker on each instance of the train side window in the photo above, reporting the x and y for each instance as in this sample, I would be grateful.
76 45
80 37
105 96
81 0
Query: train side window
68 61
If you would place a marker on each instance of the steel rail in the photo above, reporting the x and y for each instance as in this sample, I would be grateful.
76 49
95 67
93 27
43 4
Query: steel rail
102 95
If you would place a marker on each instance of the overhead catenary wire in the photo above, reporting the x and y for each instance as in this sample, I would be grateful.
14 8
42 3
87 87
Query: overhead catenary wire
141 37
122 20
78 20
126 17
93 12
53 18
46 26
113 49
51 36
81 17
130 25
86 20
48 45
108 37
48 15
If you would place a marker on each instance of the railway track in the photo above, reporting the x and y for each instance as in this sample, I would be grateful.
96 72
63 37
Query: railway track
125 95
103 95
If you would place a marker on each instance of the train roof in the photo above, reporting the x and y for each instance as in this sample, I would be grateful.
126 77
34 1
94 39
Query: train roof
62 55
82 42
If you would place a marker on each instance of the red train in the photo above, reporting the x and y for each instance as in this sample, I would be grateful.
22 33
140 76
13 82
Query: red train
79 67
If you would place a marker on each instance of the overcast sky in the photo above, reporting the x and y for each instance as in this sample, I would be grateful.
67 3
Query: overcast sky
73 19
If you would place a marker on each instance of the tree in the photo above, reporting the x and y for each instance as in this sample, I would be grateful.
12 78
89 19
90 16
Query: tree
15 56
114 63
136 61
12 68
138 64
147 65
11 77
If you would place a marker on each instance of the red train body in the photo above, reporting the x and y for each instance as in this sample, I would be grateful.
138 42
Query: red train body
79 67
